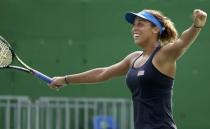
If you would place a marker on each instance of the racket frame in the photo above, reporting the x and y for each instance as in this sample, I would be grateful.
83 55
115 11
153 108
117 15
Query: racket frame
27 69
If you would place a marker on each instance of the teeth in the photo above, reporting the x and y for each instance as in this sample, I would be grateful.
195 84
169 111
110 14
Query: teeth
135 35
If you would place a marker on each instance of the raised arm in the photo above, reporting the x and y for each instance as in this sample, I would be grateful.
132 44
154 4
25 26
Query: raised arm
175 50
96 75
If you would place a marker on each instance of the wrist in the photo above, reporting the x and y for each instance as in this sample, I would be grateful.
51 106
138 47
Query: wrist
66 79
198 27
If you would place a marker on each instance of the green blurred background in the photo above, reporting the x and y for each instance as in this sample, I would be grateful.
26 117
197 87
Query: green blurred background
60 37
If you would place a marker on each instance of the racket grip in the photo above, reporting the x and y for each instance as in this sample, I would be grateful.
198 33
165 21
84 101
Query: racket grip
42 76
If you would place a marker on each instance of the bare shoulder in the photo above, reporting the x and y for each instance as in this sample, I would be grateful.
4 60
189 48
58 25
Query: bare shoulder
164 62
171 51
162 53
167 47
132 56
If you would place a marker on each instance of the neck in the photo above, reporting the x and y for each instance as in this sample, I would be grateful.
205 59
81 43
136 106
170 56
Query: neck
149 47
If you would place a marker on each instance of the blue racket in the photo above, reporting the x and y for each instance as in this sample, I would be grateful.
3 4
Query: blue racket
7 57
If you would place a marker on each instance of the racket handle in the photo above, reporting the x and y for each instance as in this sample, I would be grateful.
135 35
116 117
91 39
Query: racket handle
42 76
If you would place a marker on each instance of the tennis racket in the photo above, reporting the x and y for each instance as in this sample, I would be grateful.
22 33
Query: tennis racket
8 56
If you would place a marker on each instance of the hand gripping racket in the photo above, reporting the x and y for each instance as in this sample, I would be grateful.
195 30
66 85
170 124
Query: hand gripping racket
7 57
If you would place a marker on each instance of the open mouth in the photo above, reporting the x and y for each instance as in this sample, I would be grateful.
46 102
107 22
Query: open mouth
135 35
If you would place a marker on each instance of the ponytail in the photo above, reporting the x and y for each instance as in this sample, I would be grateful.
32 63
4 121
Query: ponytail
169 34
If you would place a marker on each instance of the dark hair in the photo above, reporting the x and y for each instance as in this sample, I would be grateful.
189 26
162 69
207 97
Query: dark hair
169 33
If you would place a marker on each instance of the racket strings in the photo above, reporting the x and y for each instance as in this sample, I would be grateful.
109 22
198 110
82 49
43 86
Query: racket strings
5 55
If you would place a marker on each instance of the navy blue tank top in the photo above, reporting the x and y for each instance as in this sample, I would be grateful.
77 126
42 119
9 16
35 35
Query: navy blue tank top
152 96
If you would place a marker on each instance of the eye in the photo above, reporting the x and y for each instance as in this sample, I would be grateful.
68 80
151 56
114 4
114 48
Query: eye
138 24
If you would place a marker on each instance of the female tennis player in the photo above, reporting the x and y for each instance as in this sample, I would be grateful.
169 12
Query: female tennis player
149 73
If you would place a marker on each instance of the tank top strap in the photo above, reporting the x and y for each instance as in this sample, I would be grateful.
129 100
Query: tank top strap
136 59
152 55
155 51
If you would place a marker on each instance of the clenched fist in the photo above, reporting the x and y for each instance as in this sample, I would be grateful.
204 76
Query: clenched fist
199 17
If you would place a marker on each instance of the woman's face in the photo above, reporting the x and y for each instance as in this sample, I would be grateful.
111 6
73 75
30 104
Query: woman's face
142 31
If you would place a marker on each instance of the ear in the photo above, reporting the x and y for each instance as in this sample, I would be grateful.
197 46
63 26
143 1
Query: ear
155 30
